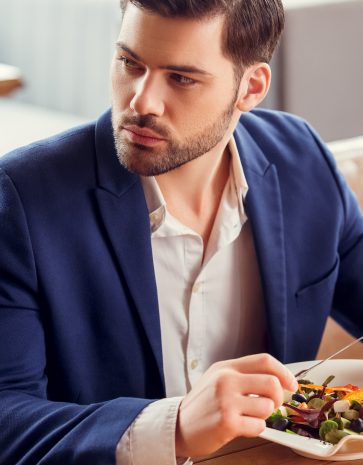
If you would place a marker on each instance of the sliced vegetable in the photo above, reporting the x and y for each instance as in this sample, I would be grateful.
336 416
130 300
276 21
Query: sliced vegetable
351 414
341 406
316 402
327 427
328 380
281 424
355 395
356 425
335 436
299 397
321 412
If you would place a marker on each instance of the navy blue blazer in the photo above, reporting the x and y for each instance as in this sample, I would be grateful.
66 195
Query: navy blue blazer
80 347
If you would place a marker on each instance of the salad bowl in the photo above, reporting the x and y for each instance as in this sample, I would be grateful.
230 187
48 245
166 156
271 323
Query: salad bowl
350 447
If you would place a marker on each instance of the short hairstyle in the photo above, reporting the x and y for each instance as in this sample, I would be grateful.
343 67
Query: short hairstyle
252 28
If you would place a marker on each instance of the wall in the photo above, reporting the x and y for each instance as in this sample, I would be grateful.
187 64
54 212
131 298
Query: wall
319 66
63 48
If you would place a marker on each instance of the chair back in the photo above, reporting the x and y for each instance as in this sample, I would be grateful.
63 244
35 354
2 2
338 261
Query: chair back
349 157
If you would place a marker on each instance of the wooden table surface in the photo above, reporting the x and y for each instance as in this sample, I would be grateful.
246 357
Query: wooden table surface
10 79
261 452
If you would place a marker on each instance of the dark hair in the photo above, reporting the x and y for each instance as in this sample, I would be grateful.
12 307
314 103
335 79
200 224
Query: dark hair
252 27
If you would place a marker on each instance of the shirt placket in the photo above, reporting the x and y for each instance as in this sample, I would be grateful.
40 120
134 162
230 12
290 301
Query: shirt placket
196 334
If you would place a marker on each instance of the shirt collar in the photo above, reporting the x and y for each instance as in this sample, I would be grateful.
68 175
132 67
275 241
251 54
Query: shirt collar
155 200
237 174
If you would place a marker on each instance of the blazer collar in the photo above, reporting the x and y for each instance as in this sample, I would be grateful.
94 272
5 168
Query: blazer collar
252 157
112 177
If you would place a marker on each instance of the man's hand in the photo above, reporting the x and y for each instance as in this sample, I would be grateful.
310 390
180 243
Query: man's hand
233 398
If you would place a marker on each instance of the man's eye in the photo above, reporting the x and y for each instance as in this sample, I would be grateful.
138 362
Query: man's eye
129 64
183 80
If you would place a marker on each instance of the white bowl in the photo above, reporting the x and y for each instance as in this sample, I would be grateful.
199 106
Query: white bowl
350 447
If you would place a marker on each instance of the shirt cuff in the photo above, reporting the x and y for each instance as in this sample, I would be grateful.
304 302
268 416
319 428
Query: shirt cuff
150 439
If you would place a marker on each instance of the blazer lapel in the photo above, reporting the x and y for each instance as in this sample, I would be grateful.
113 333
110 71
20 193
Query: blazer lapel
124 212
264 210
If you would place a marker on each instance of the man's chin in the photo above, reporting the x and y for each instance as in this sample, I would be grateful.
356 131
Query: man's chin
149 161
140 167
145 168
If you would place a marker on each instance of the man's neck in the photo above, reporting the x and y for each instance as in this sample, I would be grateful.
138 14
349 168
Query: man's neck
193 191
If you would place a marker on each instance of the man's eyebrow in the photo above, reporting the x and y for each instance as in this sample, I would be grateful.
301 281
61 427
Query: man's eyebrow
177 68
186 69
124 47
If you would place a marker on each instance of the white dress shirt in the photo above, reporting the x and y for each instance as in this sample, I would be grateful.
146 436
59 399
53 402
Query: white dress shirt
211 309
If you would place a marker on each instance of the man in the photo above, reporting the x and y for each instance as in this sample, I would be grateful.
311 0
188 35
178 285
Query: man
160 256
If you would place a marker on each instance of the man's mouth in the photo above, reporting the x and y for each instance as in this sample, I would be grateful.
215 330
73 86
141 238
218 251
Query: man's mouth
143 136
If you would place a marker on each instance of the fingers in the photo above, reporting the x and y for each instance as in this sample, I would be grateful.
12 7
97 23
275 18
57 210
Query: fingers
257 407
245 415
253 413
233 398
264 364
267 386
250 422
250 386
251 427
232 426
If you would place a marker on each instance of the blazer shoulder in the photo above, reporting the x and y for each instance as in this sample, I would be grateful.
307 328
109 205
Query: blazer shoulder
262 121
62 146
282 137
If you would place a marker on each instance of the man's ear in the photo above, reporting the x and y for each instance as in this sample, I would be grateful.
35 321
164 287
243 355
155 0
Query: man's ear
254 86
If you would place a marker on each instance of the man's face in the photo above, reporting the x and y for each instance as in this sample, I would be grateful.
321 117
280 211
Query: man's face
174 92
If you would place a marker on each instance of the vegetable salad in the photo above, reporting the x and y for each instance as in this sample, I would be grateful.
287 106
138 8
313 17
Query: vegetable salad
321 412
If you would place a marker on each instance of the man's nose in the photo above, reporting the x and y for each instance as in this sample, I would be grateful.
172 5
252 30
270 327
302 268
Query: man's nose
148 99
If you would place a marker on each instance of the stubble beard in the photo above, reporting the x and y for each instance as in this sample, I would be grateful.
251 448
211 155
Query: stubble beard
151 161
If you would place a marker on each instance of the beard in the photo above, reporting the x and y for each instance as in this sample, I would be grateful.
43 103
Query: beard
152 161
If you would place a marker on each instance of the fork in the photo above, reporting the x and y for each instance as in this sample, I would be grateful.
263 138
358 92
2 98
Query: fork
305 371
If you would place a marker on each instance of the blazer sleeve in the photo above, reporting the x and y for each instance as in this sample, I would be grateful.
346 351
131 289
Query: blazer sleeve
348 298
33 429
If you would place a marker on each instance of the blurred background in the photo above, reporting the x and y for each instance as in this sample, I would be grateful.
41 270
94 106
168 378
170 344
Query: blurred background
60 52
63 48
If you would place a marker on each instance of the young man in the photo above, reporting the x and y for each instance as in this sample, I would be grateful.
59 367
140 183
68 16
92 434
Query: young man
161 252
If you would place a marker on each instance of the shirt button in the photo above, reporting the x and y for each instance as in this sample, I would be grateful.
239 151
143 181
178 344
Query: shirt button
194 364
154 217
196 288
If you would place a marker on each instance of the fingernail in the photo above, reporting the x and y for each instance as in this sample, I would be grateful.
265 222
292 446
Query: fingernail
294 385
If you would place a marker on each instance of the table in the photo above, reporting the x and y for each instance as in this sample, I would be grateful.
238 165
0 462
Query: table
260 452
10 79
